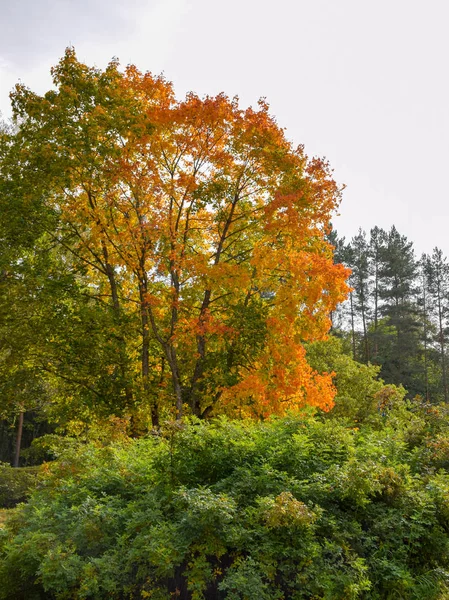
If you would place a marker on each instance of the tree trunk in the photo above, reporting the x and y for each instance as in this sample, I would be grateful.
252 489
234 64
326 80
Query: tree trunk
18 440
129 396
199 366
426 360
201 339
365 332
172 360
376 300
352 326
110 273
145 356
441 339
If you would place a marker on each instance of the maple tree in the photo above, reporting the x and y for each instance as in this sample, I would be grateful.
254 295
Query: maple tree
196 216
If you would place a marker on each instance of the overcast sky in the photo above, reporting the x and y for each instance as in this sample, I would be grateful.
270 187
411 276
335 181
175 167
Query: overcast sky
363 83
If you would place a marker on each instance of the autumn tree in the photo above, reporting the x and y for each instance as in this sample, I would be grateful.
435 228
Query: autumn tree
195 216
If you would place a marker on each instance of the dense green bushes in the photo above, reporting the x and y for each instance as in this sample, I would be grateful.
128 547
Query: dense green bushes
293 508
16 484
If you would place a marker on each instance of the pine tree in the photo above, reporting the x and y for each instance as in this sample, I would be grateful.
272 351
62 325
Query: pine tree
397 290
424 304
437 275
360 281
376 245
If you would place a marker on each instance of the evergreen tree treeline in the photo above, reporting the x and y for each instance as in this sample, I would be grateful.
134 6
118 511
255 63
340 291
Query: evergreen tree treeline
397 314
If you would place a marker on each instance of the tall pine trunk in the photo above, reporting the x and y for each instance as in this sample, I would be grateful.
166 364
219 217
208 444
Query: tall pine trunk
425 333
18 440
352 326
442 342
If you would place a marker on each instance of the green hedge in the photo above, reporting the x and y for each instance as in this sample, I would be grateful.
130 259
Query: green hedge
16 484
289 509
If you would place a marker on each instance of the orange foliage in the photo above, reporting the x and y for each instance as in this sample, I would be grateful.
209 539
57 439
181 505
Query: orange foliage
209 220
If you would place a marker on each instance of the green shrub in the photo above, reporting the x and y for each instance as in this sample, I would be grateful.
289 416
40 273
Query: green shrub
16 484
295 508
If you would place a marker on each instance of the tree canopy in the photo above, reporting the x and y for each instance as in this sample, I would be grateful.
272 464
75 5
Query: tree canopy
194 225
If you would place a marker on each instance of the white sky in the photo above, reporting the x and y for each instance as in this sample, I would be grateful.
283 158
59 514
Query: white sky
363 83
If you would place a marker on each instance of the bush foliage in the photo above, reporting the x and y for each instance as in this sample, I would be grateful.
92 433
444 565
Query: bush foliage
295 508
16 484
